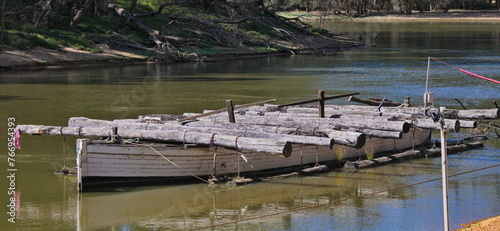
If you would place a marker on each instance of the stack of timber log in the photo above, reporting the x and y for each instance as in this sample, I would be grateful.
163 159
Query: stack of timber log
248 139
270 128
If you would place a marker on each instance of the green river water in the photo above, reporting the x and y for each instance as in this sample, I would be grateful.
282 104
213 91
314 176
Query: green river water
394 67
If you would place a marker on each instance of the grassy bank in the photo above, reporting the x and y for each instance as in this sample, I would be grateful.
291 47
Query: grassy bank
179 33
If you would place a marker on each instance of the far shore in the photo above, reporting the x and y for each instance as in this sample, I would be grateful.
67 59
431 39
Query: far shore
452 16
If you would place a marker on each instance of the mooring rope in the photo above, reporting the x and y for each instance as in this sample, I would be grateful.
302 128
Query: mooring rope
63 140
173 163
466 72
343 199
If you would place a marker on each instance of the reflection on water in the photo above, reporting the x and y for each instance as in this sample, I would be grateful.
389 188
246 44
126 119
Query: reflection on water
370 199
394 68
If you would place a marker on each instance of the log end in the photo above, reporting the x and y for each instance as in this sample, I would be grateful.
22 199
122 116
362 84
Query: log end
406 127
287 149
360 142
332 142
474 124
456 127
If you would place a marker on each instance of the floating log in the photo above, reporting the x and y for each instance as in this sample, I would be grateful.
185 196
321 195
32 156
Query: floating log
467 124
232 142
334 123
371 102
410 155
304 111
448 113
348 138
473 114
344 115
316 100
64 131
424 122
382 134
229 130
225 109
314 170
453 125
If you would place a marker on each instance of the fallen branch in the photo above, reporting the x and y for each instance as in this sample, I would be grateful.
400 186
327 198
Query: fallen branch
165 47
160 9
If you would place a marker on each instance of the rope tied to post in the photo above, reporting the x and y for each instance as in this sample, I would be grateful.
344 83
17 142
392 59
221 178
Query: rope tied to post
173 163
63 140
466 72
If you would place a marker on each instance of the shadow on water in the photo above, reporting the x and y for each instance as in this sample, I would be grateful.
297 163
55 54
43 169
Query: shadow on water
4 98
97 80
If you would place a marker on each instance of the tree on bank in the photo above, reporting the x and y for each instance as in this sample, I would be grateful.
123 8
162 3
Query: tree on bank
181 26
171 28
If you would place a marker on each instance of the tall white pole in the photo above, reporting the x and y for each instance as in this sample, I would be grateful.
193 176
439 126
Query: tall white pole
426 93
428 70
444 169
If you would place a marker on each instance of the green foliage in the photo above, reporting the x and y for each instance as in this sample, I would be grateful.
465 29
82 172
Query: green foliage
143 6
370 152
51 39
25 41
339 151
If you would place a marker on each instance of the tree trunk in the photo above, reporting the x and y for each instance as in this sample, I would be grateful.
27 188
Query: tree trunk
160 45
79 14
453 125
312 122
227 141
374 102
411 154
42 17
302 135
173 126
448 113
133 5
2 26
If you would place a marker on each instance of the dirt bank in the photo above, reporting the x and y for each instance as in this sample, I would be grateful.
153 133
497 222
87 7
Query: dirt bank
489 224
485 16
452 16
64 57
43 58
12 59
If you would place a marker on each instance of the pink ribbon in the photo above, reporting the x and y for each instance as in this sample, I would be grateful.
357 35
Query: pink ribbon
479 76
17 139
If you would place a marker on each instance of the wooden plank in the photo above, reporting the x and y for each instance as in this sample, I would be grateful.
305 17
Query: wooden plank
233 142
304 134
312 122
224 109
374 102
315 100
321 104
230 110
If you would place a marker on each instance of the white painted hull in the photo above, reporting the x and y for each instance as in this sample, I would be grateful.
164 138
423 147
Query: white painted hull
98 163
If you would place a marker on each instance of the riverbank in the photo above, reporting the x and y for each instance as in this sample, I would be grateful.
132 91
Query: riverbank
484 16
488 224
452 16
65 56
40 57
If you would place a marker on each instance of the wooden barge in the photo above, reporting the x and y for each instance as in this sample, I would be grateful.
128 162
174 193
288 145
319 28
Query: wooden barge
248 139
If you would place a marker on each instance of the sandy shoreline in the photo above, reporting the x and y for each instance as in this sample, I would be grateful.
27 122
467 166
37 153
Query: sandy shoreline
486 16
488 224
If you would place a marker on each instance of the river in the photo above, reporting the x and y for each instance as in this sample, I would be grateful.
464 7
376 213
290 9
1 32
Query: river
403 196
